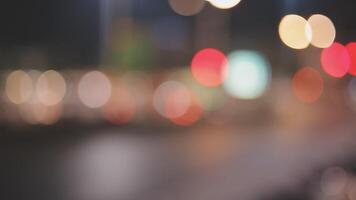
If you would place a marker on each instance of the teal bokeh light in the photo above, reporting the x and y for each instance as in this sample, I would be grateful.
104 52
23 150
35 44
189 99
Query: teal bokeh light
249 74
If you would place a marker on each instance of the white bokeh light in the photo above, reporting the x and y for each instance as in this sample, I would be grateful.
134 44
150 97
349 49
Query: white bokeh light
248 75
224 4
94 89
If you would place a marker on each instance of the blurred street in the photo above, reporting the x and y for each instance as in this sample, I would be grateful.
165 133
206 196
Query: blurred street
178 100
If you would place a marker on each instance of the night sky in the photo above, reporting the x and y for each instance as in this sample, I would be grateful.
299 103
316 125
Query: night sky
69 31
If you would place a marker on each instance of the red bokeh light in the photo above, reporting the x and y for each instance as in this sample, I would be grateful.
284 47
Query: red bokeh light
307 85
209 67
335 60
351 47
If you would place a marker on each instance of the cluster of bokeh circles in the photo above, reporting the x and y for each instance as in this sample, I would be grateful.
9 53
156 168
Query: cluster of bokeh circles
336 59
38 95
185 96
188 95
193 7
298 33
46 97
244 74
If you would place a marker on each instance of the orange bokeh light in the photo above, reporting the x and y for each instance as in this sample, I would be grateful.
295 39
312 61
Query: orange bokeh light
191 116
171 99
209 67
308 85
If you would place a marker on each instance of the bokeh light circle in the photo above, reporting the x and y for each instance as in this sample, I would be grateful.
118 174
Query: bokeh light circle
323 31
191 116
187 7
224 4
308 85
171 99
19 87
94 89
209 67
335 60
295 31
248 74
210 99
351 48
50 88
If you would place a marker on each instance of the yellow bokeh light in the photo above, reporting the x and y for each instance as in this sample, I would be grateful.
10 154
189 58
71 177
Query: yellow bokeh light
50 88
187 7
224 4
323 30
19 87
295 31
94 89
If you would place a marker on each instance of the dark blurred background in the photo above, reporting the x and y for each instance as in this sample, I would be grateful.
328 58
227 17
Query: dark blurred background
74 33
274 146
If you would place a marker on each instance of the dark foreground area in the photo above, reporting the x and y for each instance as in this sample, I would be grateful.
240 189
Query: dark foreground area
155 163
